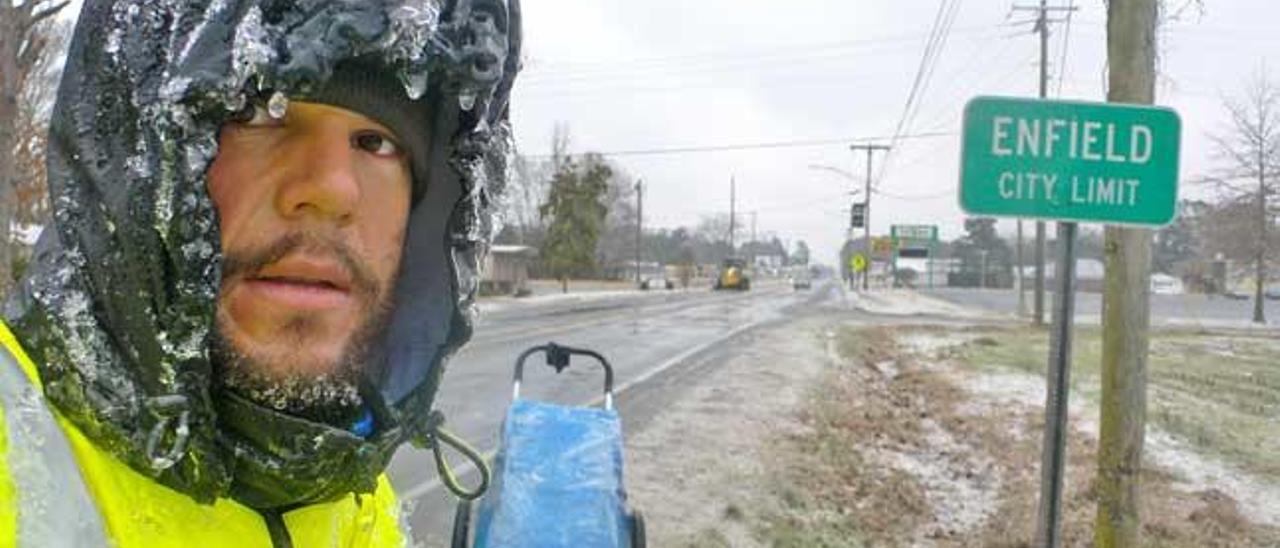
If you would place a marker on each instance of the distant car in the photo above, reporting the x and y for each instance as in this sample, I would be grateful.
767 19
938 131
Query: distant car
1235 295
801 282
1164 284
657 282
1272 294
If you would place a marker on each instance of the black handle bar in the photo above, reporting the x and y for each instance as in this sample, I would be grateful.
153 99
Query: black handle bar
558 357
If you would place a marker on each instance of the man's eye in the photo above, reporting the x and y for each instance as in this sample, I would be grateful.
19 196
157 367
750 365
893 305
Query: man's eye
375 143
253 114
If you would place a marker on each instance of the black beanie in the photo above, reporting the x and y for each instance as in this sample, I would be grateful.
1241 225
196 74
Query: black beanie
372 89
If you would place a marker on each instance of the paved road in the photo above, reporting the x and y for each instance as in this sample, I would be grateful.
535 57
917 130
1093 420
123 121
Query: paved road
1184 309
642 335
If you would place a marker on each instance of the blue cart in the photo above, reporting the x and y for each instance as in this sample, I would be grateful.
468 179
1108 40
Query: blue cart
557 476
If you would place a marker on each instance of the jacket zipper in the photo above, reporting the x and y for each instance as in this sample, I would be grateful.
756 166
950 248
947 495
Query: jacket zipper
277 529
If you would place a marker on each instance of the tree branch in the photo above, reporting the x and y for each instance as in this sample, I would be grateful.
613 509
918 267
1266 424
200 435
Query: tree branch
47 12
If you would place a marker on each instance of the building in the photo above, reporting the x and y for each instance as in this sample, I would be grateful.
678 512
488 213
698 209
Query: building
506 270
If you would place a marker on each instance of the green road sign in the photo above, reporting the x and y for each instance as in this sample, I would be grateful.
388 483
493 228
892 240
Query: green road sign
1069 161
913 235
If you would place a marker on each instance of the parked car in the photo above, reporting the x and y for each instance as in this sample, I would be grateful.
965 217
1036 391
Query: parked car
657 282
1235 295
801 280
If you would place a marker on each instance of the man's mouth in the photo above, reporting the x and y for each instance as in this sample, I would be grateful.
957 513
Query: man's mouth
302 283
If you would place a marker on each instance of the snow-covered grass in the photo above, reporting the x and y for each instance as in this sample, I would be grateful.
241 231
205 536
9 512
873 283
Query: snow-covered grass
905 302
1213 404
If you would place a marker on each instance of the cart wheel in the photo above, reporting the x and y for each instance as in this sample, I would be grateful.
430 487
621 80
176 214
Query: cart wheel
637 530
462 525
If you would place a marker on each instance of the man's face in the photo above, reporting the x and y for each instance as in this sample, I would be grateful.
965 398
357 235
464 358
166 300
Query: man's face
313 209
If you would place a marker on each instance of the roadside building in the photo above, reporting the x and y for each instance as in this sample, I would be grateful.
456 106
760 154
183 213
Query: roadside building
506 270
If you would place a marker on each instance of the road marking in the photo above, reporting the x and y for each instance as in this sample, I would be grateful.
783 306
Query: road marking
434 484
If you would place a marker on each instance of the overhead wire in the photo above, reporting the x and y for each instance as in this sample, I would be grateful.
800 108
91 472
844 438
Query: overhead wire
1066 42
745 146
943 20
535 72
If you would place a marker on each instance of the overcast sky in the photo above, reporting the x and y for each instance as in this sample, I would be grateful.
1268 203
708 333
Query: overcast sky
628 75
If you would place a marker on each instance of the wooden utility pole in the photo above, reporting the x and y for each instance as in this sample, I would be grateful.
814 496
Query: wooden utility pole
639 225
733 203
1042 28
1131 62
866 213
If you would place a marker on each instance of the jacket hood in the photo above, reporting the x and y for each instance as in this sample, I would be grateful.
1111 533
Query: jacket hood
118 307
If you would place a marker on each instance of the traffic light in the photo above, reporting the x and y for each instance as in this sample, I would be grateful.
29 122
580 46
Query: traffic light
858 215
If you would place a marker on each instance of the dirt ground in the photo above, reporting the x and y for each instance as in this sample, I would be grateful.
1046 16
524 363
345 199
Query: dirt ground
701 470
817 434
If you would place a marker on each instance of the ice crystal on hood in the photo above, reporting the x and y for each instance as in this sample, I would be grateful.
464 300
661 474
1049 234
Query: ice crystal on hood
413 26
250 50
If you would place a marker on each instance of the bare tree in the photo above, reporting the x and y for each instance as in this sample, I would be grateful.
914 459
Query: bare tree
27 41
1248 153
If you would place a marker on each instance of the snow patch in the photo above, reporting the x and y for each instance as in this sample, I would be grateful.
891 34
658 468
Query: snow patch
1259 499
905 302
963 488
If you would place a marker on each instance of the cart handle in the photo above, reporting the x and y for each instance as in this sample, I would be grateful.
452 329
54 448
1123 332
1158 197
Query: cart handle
558 358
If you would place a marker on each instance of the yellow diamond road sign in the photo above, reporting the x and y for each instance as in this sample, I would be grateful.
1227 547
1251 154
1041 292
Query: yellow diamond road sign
859 262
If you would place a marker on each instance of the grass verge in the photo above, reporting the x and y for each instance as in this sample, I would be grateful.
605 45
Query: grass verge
1219 392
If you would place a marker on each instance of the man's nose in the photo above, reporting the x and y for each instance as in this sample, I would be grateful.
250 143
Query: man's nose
322 180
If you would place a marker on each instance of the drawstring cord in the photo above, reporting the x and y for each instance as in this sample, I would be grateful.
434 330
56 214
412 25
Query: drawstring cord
167 407
435 434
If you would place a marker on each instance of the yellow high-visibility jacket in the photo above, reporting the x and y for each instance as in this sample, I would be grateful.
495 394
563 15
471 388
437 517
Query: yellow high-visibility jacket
43 503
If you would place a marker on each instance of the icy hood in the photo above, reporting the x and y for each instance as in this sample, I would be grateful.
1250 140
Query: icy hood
119 305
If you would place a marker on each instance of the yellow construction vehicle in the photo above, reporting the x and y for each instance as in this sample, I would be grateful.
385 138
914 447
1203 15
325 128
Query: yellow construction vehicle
733 275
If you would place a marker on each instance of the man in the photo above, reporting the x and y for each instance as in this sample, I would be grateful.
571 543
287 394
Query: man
267 221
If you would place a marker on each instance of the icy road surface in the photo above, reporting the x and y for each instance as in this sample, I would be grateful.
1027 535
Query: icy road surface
643 335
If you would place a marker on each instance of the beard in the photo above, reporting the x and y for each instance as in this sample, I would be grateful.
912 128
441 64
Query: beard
329 393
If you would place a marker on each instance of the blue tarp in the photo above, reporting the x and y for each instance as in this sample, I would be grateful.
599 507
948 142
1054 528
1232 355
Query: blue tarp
557 480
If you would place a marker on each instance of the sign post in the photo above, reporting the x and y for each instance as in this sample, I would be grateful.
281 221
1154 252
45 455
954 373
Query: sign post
1067 161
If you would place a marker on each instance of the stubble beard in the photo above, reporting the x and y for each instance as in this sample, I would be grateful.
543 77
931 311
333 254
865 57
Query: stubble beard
328 393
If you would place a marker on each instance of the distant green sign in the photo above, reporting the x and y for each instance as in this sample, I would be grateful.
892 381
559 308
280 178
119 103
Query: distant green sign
1070 161
913 235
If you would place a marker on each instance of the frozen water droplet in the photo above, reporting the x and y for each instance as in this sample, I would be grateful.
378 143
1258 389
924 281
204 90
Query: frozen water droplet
113 42
467 101
415 84
235 102
277 105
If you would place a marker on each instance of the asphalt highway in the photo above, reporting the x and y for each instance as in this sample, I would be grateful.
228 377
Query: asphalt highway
650 338
1203 310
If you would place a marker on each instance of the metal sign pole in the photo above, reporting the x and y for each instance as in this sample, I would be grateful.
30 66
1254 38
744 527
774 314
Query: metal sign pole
1053 460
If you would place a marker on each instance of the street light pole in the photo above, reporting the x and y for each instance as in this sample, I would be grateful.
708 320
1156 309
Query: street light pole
866 230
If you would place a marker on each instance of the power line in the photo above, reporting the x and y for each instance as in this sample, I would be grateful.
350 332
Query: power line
747 146
942 23
536 71
1066 42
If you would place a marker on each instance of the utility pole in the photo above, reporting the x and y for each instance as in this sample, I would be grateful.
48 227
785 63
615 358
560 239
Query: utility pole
1131 73
1019 283
866 227
733 200
752 264
1041 27
982 284
639 224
